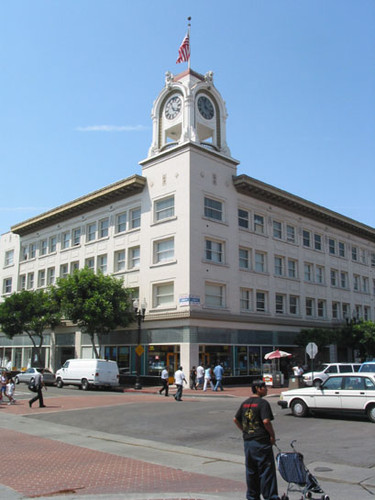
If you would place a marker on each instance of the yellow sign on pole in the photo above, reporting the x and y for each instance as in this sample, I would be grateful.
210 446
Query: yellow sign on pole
139 350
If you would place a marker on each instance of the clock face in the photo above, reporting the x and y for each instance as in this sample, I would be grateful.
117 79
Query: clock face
173 107
205 107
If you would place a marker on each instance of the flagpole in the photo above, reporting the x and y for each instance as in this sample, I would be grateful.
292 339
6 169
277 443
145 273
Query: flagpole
189 25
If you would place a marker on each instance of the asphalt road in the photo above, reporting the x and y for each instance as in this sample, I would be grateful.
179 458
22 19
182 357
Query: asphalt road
206 423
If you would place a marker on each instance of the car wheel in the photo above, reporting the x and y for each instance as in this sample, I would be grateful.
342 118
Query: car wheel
17 380
299 408
371 413
317 383
59 383
84 384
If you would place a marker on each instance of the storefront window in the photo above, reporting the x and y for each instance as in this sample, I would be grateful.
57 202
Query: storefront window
212 355
160 357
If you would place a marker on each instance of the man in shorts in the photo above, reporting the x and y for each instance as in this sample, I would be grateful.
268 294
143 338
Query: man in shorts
253 419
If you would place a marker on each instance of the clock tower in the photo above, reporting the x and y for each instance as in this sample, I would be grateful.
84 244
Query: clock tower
189 109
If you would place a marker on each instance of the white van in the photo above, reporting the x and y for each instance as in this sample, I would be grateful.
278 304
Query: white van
86 373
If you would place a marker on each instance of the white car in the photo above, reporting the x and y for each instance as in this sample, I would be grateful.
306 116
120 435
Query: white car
326 370
348 392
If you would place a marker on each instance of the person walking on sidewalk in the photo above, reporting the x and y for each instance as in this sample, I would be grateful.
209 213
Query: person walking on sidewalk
39 384
208 378
179 379
253 419
219 373
193 378
164 380
200 377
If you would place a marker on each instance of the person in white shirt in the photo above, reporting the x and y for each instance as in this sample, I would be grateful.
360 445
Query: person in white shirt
164 380
39 384
200 376
208 378
179 379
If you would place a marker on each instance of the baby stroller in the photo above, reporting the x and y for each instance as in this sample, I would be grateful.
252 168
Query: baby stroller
293 470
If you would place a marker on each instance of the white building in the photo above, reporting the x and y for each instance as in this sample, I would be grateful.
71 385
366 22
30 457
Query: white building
228 266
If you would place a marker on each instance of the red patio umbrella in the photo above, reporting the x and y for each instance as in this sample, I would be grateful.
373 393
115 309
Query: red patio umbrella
277 354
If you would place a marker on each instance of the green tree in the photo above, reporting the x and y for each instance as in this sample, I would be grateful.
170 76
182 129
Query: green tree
364 333
97 304
321 336
31 312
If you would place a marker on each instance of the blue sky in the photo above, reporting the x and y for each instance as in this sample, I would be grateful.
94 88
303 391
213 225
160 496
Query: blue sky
78 79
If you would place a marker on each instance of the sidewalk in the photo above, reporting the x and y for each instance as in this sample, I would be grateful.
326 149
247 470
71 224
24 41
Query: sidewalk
60 461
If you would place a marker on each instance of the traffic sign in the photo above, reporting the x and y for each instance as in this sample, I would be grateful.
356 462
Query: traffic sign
139 350
312 350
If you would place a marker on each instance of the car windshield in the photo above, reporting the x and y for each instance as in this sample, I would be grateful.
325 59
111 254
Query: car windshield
368 367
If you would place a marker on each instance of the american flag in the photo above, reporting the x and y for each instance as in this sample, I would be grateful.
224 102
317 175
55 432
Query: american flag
184 50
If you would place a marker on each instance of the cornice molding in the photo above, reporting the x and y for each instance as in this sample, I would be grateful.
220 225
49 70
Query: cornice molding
277 197
109 194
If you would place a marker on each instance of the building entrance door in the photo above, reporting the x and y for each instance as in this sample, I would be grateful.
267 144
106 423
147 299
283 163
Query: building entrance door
172 365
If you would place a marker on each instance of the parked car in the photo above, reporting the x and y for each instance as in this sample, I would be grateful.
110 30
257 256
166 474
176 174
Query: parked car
324 371
348 392
367 367
28 375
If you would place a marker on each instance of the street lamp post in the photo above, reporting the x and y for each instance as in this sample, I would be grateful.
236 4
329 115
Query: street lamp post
140 312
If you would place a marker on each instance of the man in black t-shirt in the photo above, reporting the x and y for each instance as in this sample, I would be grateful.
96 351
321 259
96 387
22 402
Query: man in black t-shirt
253 418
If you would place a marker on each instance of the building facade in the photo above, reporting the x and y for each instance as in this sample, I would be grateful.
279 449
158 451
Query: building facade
227 267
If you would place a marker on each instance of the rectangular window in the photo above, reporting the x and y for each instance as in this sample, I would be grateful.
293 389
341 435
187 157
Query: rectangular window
293 304
213 209
32 250
30 281
259 224
102 263
335 310
277 230
245 299
74 266
164 209
372 259
261 302
308 272
309 307
332 246
317 242
65 240
52 244
346 311
121 223
90 263
214 251
120 261
43 247
134 257
365 284
91 232
260 262
334 274
214 295
9 258
243 218
279 266
41 278
354 253
366 313
24 253
103 228
135 218
319 275
279 304
306 238
363 256
321 308
64 270
244 258
22 282
7 285
341 249
76 236
344 280
292 268
164 250
356 282
163 295
290 233
51 276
